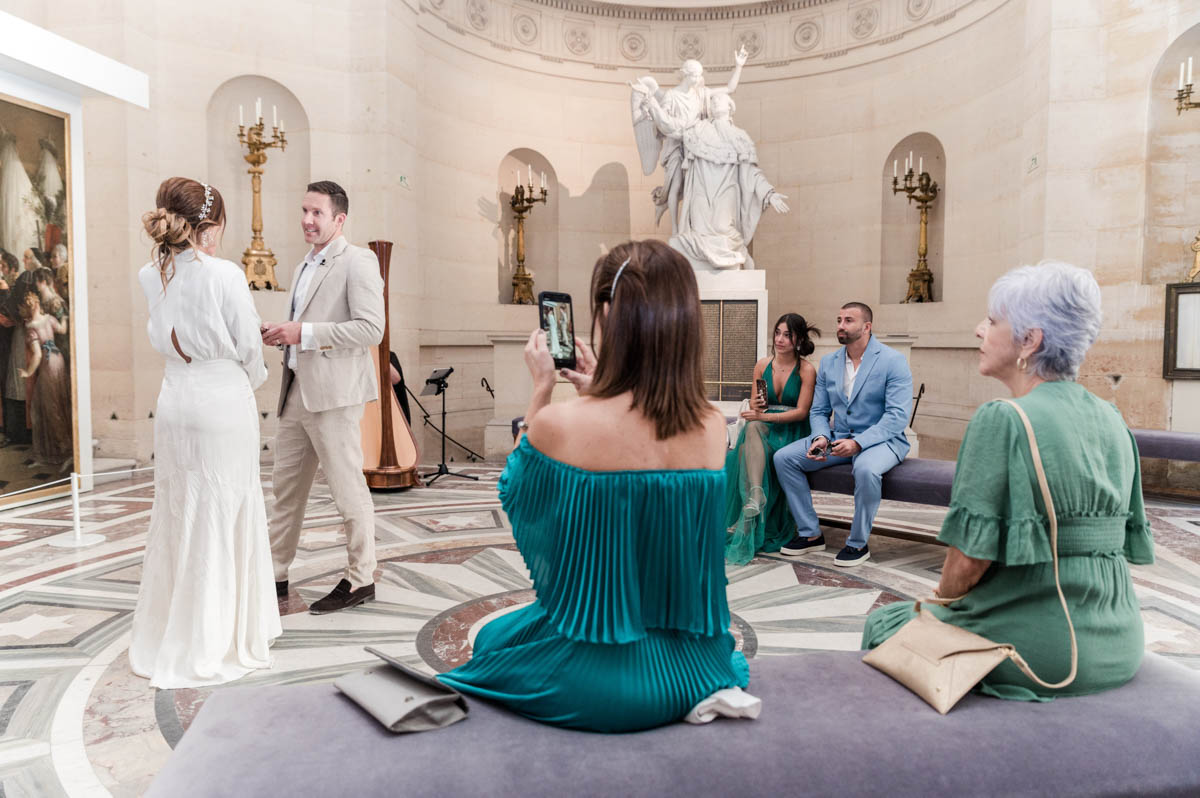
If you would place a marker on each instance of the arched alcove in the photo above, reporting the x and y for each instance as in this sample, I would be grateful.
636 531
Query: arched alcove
1172 176
285 174
541 223
900 223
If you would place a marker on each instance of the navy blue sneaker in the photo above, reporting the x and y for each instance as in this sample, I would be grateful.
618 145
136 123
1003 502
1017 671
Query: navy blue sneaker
802 545
850 556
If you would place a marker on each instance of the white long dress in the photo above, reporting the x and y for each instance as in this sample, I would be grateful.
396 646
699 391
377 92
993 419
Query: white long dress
206 611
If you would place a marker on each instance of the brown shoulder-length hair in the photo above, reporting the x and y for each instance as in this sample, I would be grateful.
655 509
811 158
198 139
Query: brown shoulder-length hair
652 341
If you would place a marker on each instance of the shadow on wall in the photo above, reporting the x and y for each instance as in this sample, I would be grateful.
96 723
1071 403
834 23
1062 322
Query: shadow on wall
564 236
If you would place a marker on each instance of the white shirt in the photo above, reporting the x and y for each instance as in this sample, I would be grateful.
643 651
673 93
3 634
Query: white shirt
851 374
311 261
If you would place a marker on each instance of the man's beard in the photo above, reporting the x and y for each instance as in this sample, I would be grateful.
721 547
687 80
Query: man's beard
845 338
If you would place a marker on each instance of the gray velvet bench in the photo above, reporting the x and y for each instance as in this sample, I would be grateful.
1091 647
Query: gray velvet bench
829 726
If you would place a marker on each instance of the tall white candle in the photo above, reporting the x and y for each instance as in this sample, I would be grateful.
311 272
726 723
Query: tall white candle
1189 70
910 160
280 125
242 119
543 181
274 117
1181 76
530 175
258 110
895 168
921 165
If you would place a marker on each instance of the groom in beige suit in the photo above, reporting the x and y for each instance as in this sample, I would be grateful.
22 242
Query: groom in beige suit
336 315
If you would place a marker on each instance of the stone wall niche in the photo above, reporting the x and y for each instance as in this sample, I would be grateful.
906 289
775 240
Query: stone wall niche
900 220
541 223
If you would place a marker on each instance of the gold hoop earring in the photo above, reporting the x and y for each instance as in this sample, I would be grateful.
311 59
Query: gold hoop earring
1022 364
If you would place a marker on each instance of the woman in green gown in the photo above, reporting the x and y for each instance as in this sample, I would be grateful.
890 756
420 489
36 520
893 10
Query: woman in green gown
616 501
1041 321
756 511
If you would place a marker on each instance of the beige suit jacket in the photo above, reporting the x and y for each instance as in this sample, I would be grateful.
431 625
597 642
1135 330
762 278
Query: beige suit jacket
344 305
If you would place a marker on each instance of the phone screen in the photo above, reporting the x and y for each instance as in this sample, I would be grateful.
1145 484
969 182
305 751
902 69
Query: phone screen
558 320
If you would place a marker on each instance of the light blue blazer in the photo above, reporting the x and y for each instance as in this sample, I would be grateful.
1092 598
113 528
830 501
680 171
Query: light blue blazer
877 411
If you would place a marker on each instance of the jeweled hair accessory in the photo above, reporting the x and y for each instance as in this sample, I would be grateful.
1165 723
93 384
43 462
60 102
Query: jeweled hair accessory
207 203
612 292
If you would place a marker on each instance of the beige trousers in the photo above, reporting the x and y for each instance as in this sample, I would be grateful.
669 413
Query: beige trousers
331 438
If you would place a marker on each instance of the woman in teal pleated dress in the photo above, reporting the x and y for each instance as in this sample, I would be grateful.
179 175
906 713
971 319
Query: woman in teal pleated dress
756 512
1041 321
616 501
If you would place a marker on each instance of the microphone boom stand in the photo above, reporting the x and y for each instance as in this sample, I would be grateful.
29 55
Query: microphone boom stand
439 382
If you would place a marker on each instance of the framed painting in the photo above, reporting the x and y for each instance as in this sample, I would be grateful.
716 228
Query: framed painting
1181 338
39 439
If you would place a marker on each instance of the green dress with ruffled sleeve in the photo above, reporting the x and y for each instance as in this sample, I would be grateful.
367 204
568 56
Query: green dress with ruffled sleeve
997 513
630 626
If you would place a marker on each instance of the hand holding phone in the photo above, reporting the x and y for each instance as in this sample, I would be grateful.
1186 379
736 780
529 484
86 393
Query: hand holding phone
558 320
818 449
760 392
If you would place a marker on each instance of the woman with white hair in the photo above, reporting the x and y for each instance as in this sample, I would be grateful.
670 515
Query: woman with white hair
1041 322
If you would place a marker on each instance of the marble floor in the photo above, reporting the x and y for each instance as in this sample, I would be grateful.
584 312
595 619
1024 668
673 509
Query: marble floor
75 721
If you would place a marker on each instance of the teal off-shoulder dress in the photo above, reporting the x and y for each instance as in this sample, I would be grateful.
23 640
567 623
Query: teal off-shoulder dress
756 511
996 513
630 627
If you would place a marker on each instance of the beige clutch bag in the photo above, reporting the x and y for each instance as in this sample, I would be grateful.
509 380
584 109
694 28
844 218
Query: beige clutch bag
403 699
940 662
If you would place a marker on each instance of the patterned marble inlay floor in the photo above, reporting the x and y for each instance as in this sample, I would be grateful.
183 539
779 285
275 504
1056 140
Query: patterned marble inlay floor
75 721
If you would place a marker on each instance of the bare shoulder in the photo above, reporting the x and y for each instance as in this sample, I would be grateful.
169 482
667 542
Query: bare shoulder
716 439
761 366
807 369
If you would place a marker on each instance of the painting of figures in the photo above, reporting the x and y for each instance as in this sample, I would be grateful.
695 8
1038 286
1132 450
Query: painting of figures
38 435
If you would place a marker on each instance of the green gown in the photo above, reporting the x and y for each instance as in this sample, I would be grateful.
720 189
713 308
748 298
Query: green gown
630 627
756 511
996 513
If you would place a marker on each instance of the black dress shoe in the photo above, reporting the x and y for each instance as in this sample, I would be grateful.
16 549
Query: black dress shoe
281 589
343 598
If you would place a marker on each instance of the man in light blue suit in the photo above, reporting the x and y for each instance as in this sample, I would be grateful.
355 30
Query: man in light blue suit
867 388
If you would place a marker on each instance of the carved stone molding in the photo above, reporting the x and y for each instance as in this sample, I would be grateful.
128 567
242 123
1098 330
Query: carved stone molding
916 9
751 39
525 29
864 21
578 39
479 14
784 37
807 35
633 46
689 44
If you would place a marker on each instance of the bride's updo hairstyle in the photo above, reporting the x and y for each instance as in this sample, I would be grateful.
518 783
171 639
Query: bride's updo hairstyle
185 209
651 344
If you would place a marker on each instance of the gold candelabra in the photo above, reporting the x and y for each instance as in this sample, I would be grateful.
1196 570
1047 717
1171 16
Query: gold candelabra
1183 96
522 203
258 260
922 190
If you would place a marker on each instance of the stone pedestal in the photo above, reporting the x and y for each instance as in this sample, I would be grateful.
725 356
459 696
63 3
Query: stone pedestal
736 330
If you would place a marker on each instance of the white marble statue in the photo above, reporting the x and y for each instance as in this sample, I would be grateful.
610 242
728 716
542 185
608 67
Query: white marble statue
712 187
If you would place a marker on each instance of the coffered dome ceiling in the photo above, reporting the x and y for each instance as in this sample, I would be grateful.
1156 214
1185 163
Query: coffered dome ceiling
787 37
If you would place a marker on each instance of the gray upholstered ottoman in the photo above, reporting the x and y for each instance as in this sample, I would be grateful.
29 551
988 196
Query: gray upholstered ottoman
830 726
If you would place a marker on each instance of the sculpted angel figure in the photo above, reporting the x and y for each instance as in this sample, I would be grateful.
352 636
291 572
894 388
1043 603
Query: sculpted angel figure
713 186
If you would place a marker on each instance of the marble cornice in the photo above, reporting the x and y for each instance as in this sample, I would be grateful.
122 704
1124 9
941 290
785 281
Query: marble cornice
785 38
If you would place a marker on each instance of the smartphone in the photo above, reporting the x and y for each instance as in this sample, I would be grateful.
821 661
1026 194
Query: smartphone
760 385
558 320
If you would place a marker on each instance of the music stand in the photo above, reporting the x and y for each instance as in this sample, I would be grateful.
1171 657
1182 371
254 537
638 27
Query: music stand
436 384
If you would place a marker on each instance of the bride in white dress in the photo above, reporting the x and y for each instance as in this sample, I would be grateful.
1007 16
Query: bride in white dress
206 611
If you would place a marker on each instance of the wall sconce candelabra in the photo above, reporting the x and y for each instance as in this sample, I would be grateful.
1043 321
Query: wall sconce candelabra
1183 97
522 202
258 260
919 187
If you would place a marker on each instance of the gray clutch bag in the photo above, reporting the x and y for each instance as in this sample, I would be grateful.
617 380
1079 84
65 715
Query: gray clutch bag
403 699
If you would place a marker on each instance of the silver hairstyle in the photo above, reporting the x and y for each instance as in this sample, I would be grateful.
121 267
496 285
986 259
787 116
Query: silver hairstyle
61 251
1061 300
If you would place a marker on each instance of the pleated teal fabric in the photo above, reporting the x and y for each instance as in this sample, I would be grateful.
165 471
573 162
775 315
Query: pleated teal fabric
630 627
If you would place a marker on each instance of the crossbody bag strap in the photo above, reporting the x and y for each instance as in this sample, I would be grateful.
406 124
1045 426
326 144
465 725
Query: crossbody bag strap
1017 659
